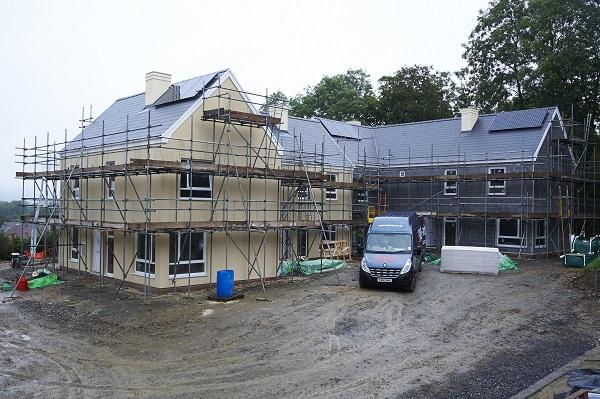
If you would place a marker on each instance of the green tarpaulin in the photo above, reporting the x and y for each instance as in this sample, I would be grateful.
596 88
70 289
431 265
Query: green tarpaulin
308 267
429 257
50 279
506 263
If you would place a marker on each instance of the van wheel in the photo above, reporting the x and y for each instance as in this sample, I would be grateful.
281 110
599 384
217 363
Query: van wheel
412 285
363 283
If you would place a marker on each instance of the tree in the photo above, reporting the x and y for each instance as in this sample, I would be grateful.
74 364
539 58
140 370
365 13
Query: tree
566 47
10 211
499 70
346 96
535 53
415 93
277 99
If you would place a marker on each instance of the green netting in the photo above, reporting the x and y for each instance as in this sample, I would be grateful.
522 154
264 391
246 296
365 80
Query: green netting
436 262
308 267
506 263
50 279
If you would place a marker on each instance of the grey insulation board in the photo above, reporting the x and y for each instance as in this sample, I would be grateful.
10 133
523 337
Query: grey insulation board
477 260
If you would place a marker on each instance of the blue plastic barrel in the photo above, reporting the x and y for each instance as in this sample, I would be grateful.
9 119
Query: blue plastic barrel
224 283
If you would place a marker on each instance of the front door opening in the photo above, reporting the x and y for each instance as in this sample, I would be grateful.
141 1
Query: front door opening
450 231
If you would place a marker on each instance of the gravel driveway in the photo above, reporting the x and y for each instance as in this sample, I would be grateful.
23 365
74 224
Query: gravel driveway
457 336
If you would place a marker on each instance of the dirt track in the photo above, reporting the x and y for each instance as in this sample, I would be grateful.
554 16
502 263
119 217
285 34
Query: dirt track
457 336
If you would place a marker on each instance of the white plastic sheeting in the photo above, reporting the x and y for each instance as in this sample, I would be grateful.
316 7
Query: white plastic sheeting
479 260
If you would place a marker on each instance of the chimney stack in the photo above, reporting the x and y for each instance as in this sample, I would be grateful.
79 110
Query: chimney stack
468 118
156 84
282 112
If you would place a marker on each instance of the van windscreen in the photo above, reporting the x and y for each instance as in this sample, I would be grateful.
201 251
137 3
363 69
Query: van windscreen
388 242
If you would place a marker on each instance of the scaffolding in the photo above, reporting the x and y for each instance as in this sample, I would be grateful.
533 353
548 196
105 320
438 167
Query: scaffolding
559 187
262 193
258 192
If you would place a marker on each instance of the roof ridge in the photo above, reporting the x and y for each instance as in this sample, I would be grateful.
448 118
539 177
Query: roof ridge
303 119
133 95
175 83
430 120
196 77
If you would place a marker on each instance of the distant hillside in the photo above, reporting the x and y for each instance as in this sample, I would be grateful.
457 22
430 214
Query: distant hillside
10 211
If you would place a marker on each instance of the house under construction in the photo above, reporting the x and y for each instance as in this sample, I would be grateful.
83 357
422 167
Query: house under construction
168 186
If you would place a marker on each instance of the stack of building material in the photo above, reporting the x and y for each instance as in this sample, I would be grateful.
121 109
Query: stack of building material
479 260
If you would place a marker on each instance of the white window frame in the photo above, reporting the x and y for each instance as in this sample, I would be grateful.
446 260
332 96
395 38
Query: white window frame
193 188
152 239
303 194
110 236
536 238
329 229
74 248
111 184
490 180
185 262
454 183
76 188
331 193
520 230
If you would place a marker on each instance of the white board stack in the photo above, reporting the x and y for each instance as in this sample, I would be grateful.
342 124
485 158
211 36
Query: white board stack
479 260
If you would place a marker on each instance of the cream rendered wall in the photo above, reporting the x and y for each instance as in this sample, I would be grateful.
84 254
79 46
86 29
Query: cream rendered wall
164 191
220 253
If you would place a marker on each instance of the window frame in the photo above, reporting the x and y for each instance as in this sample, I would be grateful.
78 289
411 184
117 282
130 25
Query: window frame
455 182
192 188
303 232
76 189
111 184
185 262
152 262
489 183
331 194
536 237
110 260
74 248
328 230
303 194
520 228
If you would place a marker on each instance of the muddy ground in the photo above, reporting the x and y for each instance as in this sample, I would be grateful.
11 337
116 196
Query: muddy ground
457 336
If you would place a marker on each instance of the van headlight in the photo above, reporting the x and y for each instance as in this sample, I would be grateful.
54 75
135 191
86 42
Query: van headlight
407 266
363 265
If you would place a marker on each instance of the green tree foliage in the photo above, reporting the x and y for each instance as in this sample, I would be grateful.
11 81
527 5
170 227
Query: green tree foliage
347 96
499 70
9 245
276 99
415 93
535 53
565 36
10 211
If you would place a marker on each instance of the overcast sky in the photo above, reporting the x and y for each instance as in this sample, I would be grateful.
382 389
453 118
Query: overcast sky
57 56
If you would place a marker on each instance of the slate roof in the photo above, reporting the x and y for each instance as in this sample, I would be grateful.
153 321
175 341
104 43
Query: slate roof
309 138
16 228
495 137
130 113
514 138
